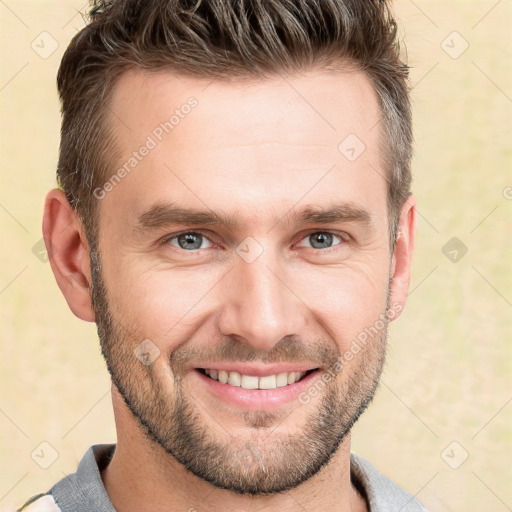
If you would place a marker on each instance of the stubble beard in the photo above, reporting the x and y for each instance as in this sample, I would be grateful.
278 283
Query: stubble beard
269 460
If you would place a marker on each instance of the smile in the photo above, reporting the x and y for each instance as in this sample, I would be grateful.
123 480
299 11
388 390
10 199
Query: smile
236 379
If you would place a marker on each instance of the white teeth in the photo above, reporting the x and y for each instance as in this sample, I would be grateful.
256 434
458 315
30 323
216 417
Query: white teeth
281 380
253 382
249 382
234 379
268 382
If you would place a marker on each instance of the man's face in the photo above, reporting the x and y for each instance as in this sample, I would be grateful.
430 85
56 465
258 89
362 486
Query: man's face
271 289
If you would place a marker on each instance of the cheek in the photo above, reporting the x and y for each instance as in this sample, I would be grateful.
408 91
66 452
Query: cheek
345 301
169 306
164 304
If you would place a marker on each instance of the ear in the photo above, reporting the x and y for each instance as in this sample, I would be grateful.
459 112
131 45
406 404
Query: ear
402 256
68 253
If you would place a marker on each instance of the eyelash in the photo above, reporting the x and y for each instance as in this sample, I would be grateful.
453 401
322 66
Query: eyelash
342 236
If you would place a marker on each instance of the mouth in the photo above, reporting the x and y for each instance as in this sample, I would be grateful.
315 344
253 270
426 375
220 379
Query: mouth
237 379
254 392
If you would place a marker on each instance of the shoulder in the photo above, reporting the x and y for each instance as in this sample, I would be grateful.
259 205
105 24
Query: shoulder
40 503
381 492
80 491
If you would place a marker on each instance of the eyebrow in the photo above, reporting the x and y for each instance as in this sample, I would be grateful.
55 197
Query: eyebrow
167 214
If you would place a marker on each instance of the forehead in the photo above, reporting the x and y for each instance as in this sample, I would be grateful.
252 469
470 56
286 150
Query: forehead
253 143
328 102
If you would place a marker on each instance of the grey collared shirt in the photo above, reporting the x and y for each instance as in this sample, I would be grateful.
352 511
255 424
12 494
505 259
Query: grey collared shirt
84 491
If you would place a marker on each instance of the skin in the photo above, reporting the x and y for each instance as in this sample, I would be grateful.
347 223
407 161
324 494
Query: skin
255 150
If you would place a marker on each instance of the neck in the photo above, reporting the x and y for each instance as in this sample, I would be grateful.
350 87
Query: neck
142 476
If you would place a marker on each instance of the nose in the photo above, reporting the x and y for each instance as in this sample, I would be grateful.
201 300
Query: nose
259 306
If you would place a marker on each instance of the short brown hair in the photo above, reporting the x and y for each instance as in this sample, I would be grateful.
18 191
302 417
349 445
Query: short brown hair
223 38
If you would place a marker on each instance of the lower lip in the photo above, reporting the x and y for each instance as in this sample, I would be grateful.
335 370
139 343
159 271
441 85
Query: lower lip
257 399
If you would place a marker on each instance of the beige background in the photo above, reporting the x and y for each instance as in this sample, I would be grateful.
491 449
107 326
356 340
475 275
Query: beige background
448 374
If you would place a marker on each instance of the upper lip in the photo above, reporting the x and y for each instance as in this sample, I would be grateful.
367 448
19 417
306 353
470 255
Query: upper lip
261 370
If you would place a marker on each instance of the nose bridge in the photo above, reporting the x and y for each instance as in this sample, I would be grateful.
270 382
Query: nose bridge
258 305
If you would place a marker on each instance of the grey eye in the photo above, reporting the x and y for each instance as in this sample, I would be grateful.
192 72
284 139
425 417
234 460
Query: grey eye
321 240
188 241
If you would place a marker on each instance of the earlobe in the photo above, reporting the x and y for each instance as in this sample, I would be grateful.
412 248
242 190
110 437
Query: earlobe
68 253
402 255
